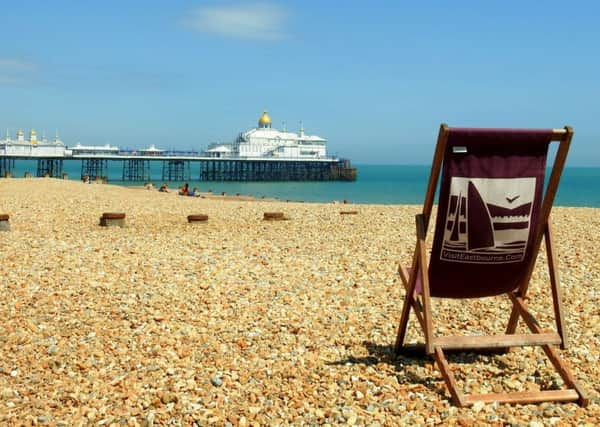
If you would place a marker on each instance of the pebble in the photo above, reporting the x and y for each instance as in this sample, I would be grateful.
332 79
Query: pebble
169 398
127 326
8 393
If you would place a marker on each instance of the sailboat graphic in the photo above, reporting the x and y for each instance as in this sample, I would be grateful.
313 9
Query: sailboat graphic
482 226
479 224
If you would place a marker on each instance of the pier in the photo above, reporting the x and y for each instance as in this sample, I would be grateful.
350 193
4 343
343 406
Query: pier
192 167
262 153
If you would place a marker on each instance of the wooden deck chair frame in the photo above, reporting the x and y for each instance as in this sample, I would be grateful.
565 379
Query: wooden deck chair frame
420 303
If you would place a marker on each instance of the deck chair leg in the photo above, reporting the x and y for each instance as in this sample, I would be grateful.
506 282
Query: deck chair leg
513 320
403 324
409 280
554 284
557 361
405 277
566 375
510 329
457 396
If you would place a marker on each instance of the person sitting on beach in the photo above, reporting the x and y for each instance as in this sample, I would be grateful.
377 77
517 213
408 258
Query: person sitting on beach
195 192
163 188
183 191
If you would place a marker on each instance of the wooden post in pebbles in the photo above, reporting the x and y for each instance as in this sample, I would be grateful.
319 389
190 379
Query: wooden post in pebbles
112 219
197 219
348 212
274 216
4 224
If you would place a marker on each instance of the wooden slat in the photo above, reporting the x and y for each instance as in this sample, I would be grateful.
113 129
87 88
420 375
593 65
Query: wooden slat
457 396
408 304
495 341
409 301
421 234
416 304
436 166
524 397
418 309
404 275
522 310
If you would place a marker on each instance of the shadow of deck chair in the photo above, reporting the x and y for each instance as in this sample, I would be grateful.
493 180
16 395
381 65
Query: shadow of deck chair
492 215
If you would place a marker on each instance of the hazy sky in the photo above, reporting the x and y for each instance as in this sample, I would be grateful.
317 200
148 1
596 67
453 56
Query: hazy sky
375 78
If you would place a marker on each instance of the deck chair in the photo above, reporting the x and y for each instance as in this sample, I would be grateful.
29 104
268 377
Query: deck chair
493 213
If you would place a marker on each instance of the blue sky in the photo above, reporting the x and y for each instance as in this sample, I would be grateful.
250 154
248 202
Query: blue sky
374 78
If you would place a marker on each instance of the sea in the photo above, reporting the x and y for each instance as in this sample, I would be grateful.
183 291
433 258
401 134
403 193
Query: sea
376 184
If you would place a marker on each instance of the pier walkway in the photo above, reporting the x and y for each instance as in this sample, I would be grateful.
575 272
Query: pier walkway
184 166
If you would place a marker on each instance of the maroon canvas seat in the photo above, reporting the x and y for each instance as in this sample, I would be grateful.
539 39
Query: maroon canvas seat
493 213
488 211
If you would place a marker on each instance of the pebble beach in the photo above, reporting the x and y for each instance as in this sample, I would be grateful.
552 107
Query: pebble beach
245 322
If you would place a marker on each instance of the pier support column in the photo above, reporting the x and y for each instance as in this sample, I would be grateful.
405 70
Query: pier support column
203 168
7 165
136 170
94 168
49 167
343 171
176 170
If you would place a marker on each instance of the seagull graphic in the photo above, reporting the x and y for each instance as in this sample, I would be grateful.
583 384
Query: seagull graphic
512 199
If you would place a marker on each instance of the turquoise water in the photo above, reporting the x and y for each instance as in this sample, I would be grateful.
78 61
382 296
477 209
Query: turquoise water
377 184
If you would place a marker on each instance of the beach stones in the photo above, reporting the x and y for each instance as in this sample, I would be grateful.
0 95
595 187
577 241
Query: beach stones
197 219
112 219
4 224
293 322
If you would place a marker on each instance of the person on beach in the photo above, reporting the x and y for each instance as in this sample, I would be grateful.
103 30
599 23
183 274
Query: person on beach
163 188
183 191
195 192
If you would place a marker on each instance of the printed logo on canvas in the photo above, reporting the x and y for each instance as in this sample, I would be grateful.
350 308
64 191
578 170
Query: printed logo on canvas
488 220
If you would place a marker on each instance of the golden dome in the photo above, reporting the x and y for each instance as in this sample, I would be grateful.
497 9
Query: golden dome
265 119
33 132
20 132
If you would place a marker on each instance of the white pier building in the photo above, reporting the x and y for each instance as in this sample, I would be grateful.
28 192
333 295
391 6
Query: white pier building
265 141
32 147
99 150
